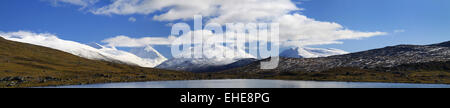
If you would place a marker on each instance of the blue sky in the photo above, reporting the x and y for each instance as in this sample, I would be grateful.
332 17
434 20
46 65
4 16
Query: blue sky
416 21
423 21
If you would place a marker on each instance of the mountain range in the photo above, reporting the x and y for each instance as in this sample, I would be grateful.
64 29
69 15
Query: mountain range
214 60
215 64
147 56
387 57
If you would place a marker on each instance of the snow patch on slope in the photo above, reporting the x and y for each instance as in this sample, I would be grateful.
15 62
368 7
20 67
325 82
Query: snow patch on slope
78 49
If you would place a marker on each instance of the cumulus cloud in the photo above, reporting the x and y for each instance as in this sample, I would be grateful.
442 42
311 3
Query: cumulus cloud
125 41
295 29
223 11
299 30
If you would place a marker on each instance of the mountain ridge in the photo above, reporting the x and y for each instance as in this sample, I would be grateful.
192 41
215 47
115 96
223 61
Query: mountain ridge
216 58
443 44
390 56
305 52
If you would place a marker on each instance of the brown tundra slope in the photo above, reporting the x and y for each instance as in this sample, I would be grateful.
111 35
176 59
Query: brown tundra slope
402 63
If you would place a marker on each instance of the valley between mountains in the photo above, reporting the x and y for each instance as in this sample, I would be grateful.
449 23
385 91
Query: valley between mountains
27 64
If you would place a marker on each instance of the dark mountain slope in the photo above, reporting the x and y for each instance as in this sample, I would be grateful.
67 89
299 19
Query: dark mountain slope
237 64
202 65
383 57
443 44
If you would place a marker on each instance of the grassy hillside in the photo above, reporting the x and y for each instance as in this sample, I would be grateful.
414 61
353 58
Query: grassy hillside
25 65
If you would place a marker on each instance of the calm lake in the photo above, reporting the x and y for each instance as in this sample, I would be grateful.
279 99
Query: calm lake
247 83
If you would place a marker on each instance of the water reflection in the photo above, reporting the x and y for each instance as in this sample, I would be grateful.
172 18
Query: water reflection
246 83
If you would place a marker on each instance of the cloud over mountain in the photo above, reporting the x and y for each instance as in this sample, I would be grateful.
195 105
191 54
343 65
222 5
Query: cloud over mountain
125 41
295 28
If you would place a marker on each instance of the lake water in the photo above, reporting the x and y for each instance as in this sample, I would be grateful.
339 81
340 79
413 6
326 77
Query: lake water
247 83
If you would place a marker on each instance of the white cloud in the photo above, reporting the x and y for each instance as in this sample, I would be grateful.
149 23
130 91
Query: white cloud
299 30
232 11
295 29
125 41
132 19
222 10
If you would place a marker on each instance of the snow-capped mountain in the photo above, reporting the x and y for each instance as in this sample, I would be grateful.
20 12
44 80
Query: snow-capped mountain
150 54
303 52
213 58
92 51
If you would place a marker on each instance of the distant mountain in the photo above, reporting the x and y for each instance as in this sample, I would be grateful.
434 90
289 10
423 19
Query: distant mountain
204 65
215 64
214 60
384 57
310 52
91 51
147 52
237 64
150 54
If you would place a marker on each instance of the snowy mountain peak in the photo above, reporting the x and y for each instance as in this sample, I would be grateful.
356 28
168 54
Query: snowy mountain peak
150 54
304 52
146 52
217 52
218 56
